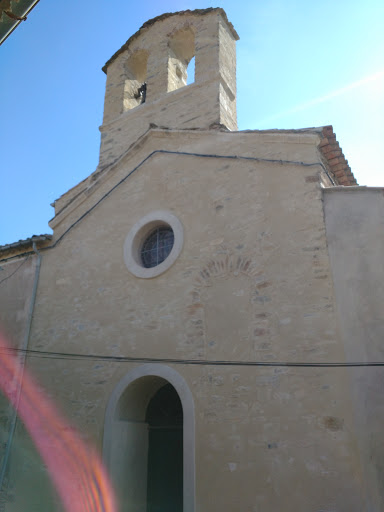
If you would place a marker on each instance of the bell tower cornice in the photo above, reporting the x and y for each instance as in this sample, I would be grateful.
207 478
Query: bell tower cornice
149 23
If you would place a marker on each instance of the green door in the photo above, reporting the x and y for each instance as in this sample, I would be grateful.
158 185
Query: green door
165 452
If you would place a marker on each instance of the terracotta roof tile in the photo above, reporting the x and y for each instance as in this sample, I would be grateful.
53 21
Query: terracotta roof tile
335 159
26 244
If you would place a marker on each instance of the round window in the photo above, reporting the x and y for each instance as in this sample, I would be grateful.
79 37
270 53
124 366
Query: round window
153 244
157 246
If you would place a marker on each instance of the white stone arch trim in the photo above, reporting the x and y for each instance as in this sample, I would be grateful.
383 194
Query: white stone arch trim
186 398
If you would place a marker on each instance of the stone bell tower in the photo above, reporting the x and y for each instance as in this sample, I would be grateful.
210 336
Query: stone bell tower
147 79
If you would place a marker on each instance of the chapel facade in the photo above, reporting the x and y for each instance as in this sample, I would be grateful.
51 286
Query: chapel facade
212 287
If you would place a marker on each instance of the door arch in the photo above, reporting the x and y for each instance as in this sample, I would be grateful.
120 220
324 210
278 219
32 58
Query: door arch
126 440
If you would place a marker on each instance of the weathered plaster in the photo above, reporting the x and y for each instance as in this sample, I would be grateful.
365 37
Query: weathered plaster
355 226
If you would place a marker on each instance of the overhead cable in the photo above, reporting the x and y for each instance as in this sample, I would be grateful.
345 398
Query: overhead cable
204 362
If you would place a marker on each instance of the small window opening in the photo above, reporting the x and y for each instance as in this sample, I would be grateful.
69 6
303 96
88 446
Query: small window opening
191 71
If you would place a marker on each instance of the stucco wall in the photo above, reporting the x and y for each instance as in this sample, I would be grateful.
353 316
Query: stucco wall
252 283
16 287
355 226
16 283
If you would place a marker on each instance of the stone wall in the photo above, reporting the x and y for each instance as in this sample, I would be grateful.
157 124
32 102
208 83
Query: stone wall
252 283
354 222
16 293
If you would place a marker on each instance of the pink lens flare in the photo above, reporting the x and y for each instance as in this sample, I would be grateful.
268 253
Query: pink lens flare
75 468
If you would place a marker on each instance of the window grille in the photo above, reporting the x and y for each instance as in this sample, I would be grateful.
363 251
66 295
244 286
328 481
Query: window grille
157 246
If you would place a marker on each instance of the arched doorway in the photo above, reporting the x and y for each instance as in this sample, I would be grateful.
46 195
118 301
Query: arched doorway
149 441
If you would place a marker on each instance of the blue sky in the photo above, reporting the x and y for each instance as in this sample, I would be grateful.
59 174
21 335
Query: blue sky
300 64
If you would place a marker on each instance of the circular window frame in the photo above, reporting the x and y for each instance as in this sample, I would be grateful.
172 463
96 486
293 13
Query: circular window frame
137 235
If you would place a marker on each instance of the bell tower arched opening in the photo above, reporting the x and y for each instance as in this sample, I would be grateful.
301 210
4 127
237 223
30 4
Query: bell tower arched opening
181 52
136 75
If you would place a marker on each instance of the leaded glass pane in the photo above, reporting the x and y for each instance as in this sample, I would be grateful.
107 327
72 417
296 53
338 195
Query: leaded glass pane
157 246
